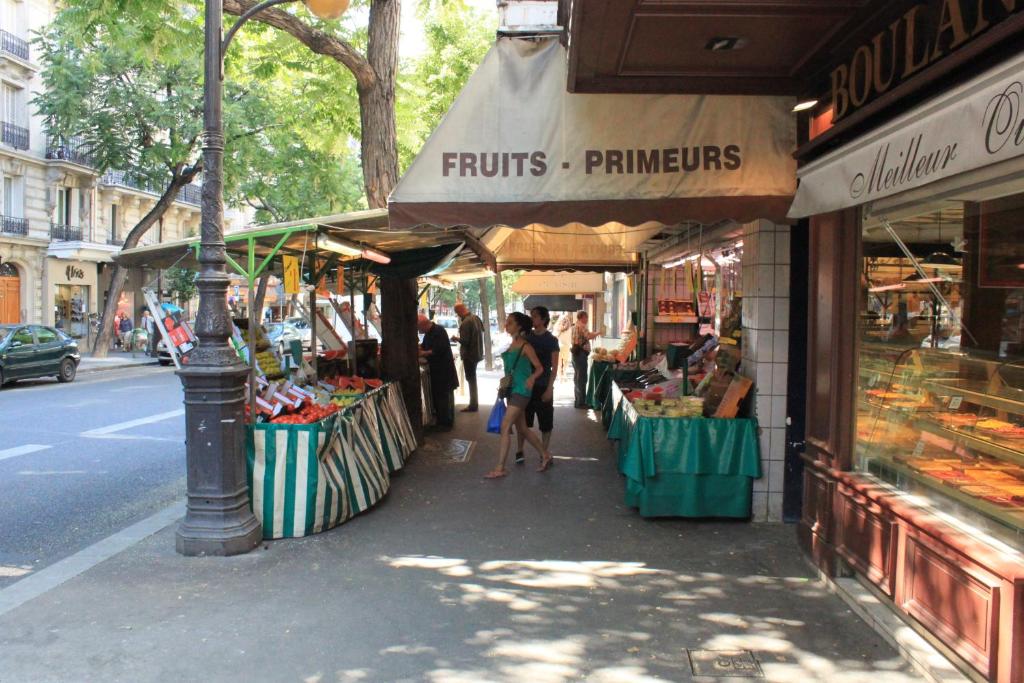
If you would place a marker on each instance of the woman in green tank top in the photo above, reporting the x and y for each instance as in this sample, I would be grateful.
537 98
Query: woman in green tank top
523 368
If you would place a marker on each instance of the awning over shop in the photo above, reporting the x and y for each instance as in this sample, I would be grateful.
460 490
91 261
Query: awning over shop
538 283
973 128
517 149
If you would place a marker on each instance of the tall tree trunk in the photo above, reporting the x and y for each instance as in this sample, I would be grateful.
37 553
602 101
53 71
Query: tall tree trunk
400 360
485 309
379 143
499 300
379 147
120 274
261 296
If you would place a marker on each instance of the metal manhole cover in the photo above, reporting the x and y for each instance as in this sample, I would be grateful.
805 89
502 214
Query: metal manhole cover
724 664
453 450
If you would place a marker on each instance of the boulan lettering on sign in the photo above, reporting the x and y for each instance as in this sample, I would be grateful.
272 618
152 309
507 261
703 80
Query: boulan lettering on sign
923 35
516 148
976 125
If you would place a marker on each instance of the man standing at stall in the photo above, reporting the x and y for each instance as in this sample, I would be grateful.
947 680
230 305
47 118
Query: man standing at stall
471 341
542 401
436 349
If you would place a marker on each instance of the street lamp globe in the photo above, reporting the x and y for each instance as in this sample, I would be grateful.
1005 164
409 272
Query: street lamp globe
327 9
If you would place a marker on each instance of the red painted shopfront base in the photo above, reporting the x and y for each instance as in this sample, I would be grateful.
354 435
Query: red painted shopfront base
967 594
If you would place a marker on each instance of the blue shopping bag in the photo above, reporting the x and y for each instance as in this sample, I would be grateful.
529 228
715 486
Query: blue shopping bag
497 416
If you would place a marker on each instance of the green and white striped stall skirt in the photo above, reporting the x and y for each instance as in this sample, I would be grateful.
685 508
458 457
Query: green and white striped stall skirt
304 479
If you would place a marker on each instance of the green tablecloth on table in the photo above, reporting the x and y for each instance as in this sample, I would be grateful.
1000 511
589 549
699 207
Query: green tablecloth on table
598 375
685 467
304 479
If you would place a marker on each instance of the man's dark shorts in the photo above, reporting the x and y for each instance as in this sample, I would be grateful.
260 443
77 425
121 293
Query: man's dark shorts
545 412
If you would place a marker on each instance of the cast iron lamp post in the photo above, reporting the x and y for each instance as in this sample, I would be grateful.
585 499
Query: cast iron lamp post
218 520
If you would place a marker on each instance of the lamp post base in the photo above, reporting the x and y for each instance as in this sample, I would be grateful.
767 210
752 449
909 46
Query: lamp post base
218 519
221 526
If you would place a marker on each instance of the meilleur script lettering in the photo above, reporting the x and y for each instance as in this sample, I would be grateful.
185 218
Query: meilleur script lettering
595 161
894 168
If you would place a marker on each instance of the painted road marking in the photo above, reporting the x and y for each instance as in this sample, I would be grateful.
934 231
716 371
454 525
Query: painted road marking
121 426
44 580
22 450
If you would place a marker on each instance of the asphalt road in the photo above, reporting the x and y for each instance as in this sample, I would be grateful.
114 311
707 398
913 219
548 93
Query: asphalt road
81 461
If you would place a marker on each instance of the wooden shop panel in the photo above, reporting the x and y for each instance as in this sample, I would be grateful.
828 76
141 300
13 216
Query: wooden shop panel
817 511
954 598
866 538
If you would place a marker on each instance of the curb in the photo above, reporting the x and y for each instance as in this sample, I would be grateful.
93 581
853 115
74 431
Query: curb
115 366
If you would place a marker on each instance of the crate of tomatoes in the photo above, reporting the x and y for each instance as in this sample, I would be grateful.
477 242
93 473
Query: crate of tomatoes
307 414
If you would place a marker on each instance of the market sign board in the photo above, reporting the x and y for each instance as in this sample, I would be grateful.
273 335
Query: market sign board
976 125
517 149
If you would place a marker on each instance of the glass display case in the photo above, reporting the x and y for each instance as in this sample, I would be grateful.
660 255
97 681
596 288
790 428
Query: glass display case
947 426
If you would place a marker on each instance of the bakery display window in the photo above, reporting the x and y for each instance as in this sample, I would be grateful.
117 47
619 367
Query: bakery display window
940 385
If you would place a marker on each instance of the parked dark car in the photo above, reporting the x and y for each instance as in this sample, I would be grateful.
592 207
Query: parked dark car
28 351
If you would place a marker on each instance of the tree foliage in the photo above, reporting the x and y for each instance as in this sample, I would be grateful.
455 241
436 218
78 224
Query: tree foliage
457 37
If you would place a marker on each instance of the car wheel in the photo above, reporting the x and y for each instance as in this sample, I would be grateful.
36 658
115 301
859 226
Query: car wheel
2 380
165 363
68 370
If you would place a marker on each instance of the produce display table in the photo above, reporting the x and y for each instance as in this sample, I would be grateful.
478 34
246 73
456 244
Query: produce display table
304 479
685 467
597 382
608 396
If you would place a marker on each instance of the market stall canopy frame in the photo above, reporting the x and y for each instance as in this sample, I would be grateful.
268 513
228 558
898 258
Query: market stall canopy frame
368 229
516 149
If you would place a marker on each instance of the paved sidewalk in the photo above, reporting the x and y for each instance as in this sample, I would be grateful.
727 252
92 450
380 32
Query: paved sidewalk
537 577
115 360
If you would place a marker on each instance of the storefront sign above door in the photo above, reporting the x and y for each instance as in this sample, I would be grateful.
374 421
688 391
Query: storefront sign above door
979 124
517 149
925 34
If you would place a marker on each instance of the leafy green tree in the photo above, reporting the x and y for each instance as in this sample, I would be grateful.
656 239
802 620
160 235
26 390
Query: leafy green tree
132 93
457 37
182 284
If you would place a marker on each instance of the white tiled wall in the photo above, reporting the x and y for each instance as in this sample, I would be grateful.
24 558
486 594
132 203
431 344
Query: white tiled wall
766 353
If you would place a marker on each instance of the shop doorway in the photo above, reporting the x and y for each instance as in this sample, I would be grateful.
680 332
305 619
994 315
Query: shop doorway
10 294
71 310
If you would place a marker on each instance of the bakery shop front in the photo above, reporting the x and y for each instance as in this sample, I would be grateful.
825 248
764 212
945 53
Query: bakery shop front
914 465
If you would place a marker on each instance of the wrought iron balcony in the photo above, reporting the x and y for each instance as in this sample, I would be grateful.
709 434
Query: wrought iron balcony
9 225
114 242
68 149
15 136
65 233
13 45
190 194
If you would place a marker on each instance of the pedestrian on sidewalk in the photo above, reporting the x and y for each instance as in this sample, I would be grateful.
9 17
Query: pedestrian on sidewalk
116 337
542 400
580 350
522 367
149 325
564 333
437 350
471 345
125 328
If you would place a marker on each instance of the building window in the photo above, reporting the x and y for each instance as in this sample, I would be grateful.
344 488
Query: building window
64 205
940 402
10 106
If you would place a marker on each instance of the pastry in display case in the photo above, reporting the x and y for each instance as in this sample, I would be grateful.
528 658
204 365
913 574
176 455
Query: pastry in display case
948 426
